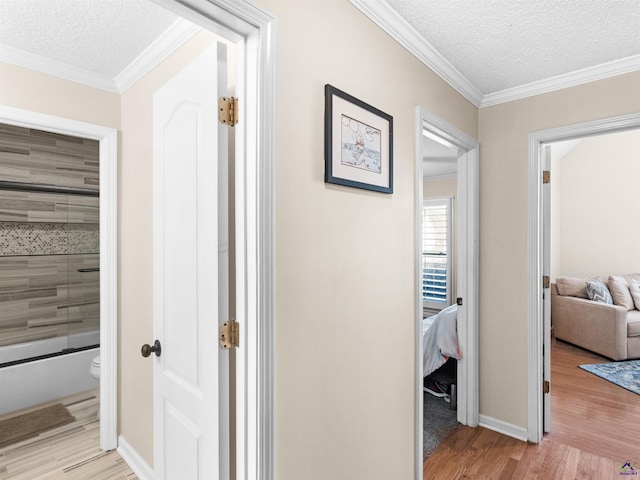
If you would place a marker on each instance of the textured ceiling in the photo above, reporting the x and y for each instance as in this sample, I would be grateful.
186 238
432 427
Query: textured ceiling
438 160
500 44
495 44
102 36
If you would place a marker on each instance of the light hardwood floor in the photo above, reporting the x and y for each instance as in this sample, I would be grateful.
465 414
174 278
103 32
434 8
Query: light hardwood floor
595 429
69 452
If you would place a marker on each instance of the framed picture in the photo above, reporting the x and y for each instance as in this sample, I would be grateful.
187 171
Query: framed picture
358 143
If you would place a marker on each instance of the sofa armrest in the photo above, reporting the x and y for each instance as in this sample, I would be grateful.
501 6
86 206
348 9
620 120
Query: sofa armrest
596 326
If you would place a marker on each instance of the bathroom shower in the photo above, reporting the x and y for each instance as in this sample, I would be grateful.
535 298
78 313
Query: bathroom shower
49 265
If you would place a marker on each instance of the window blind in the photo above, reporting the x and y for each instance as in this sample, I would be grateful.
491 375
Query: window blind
435 252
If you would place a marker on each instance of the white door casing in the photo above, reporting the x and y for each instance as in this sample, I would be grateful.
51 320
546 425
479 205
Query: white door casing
536 222
252 30
466 268
546 290
191 384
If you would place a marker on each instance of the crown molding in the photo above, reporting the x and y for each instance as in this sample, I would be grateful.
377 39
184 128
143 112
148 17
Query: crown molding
571 79
173 38
45 65
398 28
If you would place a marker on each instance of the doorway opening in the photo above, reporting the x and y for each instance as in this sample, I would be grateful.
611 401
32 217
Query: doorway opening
252 31
540 231
447 268
107 139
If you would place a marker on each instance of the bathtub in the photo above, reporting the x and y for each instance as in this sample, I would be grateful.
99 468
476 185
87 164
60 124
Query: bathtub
37 381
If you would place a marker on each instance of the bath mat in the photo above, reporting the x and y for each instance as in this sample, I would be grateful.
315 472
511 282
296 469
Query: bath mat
30 424
623 374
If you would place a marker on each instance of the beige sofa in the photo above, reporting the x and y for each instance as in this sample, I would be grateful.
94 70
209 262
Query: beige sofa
612 330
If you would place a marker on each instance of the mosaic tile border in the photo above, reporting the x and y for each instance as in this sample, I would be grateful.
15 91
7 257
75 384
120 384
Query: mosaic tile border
48 238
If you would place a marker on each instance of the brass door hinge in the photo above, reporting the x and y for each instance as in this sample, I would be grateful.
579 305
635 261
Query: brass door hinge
546 281
230 334
545 386
546 176
228 110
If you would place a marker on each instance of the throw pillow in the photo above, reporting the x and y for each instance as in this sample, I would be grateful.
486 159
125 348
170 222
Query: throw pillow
634 289
632 277
572 287
599 292
619 289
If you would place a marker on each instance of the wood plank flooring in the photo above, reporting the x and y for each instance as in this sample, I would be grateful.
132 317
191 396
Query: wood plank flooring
595 429
591 413
69 452
478 453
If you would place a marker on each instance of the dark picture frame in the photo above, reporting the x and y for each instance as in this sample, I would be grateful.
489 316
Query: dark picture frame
358 146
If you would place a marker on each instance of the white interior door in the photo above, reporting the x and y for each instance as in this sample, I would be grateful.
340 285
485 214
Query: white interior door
191 384
546 292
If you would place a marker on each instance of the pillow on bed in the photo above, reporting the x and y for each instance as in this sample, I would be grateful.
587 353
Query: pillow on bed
572 287
619 289
598 292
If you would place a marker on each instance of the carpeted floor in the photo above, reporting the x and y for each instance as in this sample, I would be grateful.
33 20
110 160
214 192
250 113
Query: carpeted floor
438 423
623 374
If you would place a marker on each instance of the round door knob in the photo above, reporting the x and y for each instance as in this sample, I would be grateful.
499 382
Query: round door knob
147 349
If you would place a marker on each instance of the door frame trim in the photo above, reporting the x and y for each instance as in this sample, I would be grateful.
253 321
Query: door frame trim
467 279
535 254
253 31
108 140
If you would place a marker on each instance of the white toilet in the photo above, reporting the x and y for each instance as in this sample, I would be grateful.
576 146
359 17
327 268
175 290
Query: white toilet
94 371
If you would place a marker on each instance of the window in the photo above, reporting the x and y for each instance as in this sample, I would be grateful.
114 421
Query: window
436 252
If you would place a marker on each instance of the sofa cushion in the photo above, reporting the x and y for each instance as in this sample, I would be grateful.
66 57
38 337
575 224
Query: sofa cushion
572 287
634 290
633 323
598 292
619 289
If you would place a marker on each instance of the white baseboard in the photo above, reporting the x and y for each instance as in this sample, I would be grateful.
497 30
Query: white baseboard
142 470
505 428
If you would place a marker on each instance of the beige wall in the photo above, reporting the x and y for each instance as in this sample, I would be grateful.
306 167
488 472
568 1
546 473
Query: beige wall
555 225
38 92
503 131
597 206
346 293
440 188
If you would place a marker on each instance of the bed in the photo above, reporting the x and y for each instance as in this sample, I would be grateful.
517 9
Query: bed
441 351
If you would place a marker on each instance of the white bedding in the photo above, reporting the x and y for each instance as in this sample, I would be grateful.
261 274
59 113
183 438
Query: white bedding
440 339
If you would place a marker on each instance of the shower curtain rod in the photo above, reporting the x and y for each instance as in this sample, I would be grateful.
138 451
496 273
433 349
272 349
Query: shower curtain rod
38 187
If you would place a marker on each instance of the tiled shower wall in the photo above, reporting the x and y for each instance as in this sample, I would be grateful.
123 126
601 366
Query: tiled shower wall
45 238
